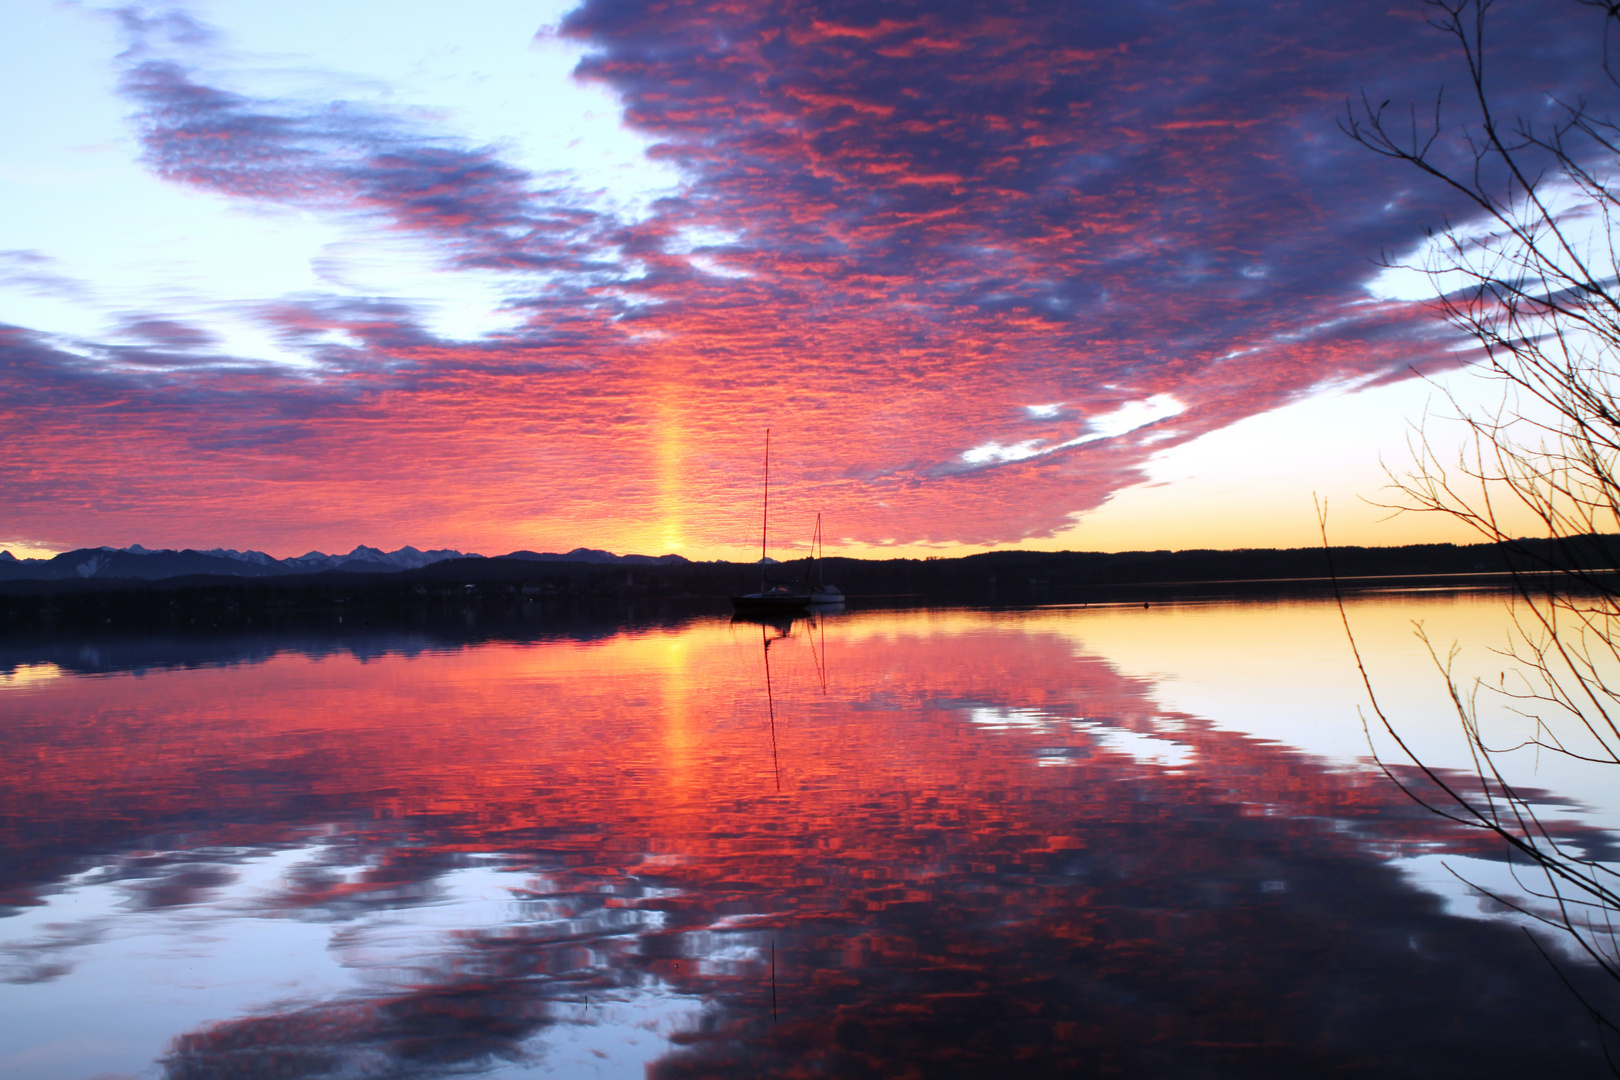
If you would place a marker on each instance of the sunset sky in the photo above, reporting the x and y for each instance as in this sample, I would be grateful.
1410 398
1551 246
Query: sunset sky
531 275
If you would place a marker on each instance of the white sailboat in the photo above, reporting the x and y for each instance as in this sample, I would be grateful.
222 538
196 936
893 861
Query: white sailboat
821 594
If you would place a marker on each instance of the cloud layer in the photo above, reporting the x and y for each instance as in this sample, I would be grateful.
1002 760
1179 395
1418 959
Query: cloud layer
944 251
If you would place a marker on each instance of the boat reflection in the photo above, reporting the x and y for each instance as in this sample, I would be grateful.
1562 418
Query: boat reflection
775 626
989 852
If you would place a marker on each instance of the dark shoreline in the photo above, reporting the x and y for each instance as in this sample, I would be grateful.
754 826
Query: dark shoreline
473 598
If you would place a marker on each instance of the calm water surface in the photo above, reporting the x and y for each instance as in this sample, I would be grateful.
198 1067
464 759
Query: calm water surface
1040 843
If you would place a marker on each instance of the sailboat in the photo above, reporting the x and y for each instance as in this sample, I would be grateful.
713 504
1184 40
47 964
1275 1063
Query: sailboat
821 594
773 595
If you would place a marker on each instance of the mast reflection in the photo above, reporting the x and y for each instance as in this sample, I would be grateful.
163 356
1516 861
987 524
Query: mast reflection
775 627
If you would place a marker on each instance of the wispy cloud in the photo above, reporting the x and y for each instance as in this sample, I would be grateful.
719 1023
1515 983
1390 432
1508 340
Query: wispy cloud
485 212
36 272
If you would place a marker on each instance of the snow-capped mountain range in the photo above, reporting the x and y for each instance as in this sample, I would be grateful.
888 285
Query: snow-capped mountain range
136 561
361 558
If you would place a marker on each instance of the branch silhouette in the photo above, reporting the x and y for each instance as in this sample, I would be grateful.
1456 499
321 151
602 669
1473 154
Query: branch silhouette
1531 282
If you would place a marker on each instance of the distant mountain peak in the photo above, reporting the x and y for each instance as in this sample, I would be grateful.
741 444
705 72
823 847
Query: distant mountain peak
145 563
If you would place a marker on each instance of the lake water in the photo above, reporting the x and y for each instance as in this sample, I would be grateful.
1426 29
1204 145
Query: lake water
1073 841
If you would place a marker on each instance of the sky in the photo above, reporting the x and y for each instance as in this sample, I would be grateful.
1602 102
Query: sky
534 275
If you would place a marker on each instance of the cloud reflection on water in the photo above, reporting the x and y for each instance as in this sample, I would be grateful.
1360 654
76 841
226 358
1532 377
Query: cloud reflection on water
511 851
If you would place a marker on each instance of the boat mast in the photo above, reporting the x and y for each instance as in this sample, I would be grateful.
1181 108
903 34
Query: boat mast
815 553
765 511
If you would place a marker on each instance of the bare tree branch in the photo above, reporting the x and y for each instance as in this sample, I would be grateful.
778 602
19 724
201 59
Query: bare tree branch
1531 280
